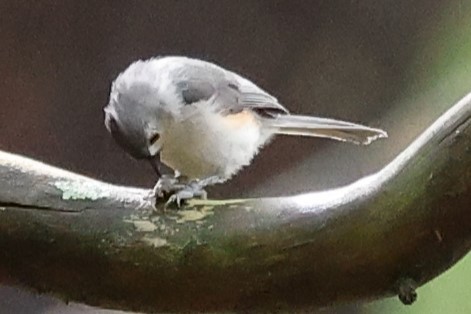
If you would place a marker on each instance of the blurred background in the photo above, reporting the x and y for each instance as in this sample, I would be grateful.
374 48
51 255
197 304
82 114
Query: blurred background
394 64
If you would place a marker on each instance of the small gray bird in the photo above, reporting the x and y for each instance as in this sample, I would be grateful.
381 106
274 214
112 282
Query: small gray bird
204 122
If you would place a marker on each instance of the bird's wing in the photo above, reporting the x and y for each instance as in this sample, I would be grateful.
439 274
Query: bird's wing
198 80
230 92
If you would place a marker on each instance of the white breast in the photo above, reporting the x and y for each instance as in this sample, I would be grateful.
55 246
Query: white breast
204 143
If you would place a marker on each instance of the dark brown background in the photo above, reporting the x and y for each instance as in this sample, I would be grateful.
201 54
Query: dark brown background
366 61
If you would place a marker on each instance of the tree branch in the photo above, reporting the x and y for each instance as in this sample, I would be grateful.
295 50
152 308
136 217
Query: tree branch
93 242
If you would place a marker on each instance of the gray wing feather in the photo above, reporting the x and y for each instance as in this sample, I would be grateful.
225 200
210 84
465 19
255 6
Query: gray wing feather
324 127
232 93
195 90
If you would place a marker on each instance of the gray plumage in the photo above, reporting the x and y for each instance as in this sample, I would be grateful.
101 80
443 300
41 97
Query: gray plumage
209 121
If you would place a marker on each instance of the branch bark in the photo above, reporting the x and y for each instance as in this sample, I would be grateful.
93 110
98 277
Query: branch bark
100 244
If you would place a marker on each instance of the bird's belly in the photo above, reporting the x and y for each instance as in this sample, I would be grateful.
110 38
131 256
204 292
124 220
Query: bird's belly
211 145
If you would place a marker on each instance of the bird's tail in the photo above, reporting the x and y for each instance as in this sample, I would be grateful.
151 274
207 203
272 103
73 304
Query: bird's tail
323 127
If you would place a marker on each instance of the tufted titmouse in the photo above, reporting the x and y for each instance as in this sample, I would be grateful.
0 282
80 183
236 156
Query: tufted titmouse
204 122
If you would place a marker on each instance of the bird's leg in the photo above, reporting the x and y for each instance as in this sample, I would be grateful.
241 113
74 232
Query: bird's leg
167 184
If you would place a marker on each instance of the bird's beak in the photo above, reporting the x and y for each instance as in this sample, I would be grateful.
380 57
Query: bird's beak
155 163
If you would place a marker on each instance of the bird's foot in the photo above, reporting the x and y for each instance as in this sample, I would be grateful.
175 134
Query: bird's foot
189 191
181 191
167 184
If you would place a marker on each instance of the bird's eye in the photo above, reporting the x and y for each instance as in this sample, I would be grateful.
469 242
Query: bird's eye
154 138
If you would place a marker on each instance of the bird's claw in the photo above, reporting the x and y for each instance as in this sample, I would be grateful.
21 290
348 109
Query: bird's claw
166 185
190 191
169 185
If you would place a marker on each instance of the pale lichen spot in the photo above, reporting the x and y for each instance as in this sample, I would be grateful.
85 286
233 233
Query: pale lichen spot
75 190
155 241
195 214
214 203
142 225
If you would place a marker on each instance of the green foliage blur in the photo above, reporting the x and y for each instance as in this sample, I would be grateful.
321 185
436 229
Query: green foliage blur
449 293
443 71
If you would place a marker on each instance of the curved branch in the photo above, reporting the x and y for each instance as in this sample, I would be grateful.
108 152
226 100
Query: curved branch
89 241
